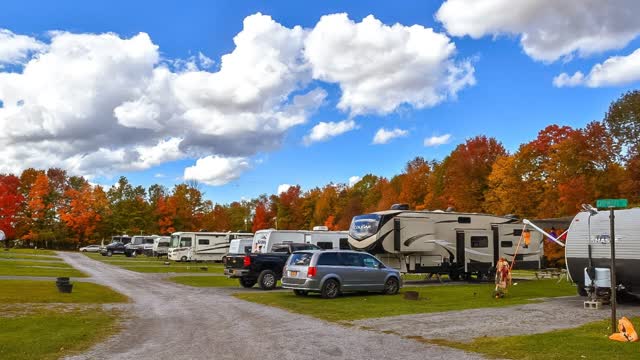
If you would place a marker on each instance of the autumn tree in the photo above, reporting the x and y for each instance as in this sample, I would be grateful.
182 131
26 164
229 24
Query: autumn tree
10 203
84 212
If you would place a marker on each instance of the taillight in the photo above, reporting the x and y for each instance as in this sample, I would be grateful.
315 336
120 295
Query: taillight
312 271
246 261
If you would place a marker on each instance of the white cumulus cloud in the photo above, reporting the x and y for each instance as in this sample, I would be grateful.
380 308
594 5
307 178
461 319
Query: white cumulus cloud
381 67
548 30
323 131
437 140
283 188
616 70
217 170
17 48
383 135
354 180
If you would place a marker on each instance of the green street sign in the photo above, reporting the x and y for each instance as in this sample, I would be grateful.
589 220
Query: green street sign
609 203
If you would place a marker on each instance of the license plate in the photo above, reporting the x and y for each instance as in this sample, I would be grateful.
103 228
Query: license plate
293 273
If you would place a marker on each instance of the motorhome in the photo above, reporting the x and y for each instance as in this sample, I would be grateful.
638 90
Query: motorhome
201 246
442 242
320 236
588 249
161 245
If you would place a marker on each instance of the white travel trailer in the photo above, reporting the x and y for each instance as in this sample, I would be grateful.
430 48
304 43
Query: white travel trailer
240 246
589 247
439 242
264 240
143 243
161 245
201 246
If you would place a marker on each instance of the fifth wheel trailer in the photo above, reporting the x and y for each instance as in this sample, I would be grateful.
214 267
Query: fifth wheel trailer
458 244
591 234
202 246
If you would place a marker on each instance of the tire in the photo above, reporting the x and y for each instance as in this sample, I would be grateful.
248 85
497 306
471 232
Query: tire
301 292
391 286
247 283
267 280
454 276
109 253
581 290
83 250
330 289
183 259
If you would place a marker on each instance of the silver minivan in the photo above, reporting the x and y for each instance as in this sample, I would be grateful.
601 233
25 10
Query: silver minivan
332 272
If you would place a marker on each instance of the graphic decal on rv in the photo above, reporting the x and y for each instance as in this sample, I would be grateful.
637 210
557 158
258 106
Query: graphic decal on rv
412 239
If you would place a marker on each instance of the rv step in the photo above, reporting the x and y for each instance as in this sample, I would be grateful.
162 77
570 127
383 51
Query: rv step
596 305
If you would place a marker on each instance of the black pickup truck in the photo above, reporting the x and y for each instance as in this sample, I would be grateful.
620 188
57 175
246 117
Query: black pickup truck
118 248
264 269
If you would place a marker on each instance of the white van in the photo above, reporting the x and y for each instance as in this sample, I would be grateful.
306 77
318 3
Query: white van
264 240
201 246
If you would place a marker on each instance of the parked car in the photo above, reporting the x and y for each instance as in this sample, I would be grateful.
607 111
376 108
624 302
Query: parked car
263 269
90 248
333 272
118 248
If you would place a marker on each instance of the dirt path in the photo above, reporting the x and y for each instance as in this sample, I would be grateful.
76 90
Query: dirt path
554 314
180 322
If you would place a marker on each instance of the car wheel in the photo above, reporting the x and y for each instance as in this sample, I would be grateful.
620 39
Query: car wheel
267 280
247 283
109 253
83 250
391 286
330 289
183 259
301 292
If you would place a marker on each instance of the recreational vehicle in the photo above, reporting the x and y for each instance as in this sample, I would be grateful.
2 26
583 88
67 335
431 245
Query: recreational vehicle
588 249
143 243
240 246
125 239
264 240
161 245
201 246
439 242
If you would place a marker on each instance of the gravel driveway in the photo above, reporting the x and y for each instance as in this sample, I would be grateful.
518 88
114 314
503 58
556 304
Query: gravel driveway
173 321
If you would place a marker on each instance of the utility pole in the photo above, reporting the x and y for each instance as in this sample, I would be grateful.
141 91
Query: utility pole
614 286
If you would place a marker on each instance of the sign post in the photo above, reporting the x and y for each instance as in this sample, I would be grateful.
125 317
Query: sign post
612 204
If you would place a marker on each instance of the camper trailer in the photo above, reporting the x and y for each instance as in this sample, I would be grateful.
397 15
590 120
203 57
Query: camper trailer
240 246
201 246
143 243
588 250
439 242
264 240
161 245
125 239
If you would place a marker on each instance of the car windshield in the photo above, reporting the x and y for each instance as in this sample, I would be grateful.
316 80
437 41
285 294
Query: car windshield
175 241
300 259
363 226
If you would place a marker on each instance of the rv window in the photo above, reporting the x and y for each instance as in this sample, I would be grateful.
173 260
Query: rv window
329 259
344 244
464 220
149 240
517 232
300 259
203 241
479 242
352 259
185 242
325 245
506 244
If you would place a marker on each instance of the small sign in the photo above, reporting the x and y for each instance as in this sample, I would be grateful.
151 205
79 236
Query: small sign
612 203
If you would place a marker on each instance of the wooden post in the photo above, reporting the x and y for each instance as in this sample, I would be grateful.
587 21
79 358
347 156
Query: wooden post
613 270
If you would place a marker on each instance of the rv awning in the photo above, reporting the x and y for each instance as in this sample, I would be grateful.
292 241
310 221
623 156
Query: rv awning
558 223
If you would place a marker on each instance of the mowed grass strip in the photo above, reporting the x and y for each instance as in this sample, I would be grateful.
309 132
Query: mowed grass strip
176 269
433 299
50 335
39 291
36 271
206 281
19 256
23 262
29 251
589 341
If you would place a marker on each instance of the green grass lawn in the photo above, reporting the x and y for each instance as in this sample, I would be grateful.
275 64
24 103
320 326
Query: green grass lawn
38 291
175 269
433 299
19 256
46 334
31 271
27 262
589 341
206 281
28 251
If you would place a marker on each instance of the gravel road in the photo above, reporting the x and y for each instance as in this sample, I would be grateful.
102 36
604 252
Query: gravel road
465 325
173 321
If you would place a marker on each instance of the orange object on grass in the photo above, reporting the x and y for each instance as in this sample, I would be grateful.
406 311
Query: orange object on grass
626 331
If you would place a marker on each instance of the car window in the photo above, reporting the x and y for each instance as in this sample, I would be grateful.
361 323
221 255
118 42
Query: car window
371 262
300 259
352 259
329 258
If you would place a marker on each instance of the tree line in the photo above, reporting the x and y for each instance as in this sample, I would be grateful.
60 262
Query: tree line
550 176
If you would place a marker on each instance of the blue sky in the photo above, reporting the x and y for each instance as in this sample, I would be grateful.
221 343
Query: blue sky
512 99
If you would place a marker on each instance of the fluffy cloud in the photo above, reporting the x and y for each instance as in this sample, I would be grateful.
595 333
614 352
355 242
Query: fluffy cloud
383 135
16 48
617 70
283 188
380 67
548 30
354 180
437 140
324 131
216 170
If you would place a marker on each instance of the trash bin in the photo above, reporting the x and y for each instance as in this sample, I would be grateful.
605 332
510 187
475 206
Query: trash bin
63 285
